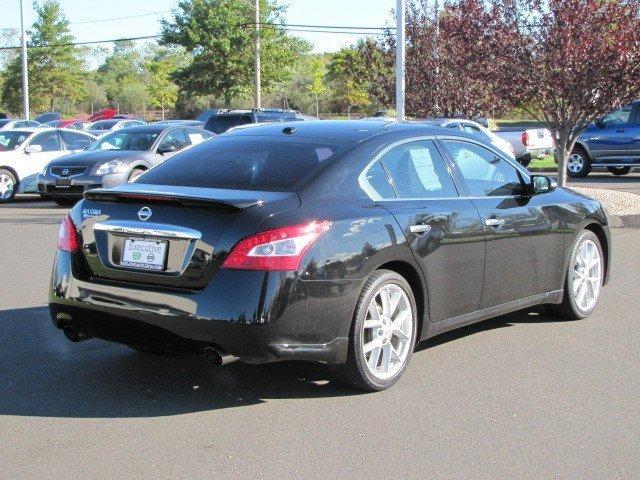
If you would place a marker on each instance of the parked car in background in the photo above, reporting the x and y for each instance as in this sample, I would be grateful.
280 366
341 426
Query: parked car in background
103 126
117 157
475 129
204 116
612 142
72 123
184 123
339 242
223 120
48 116
527 142
25 152
105 114
9 123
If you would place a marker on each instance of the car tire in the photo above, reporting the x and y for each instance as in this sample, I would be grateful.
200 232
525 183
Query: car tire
135 173
619 170
8 185
585 249
65 202
578 163
377 323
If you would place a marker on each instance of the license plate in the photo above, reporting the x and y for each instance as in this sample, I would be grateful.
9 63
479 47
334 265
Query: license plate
143 254
63 182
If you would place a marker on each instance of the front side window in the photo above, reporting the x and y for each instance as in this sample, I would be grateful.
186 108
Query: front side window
176 138
418 171
48 141
619 117
485 173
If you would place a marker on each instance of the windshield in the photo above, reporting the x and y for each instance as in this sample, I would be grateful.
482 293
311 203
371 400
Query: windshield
4 122
10 140
245 163
126 140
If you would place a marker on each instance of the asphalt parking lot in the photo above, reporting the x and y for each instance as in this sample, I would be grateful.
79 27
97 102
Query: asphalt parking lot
601 179
521 396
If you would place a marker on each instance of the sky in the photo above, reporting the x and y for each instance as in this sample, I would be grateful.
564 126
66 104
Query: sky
352 13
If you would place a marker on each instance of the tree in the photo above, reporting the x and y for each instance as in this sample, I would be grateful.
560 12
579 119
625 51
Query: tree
123 66
317 87
348 75
55 67
219 35
566 62
162 90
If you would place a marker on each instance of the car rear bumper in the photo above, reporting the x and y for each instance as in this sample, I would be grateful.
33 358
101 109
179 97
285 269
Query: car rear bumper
270 317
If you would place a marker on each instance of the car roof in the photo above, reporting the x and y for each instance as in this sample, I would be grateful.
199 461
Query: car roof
341 130
153 128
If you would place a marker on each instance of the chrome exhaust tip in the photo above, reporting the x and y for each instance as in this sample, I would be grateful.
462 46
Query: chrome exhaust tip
218 357
74 335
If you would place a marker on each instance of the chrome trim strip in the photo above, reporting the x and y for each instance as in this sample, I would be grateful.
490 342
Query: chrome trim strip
149 230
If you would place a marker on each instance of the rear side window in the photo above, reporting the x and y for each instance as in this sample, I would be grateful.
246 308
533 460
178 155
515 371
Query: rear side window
74 141
245 163
418 171
379 181
221 123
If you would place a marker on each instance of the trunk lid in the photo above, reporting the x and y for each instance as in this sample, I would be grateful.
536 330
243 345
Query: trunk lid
167 236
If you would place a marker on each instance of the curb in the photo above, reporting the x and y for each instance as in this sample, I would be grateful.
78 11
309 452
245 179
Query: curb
624 221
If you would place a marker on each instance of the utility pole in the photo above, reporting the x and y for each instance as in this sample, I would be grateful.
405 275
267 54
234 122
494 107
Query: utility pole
25 72
436 54
256 54
400 59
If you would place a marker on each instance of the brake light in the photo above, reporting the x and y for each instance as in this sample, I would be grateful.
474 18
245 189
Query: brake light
279 249
68 240
525 139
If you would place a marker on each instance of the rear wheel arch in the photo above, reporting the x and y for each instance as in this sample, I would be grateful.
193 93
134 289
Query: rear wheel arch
584 147
410 273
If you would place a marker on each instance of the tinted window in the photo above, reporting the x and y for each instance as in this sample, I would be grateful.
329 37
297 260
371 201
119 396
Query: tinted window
222 123
475 131
244 163
74 141
10 140
619 117
485 173
103 125
49 141
418 171
379 180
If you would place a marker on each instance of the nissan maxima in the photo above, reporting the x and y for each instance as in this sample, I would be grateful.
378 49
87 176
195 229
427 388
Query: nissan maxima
115 158
339 242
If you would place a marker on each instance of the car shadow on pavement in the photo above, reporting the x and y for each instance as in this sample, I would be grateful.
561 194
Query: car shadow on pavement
44 374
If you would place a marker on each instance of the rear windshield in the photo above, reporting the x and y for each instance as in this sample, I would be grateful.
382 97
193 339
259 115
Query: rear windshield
244 163
221 123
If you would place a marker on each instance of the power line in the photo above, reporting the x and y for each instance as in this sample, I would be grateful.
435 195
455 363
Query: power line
120 18
72 44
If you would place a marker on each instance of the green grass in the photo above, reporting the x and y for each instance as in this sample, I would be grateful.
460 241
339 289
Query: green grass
544 162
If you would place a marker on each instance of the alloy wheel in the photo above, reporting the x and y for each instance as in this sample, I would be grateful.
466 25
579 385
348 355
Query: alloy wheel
386 335
6 186
575 163
586 277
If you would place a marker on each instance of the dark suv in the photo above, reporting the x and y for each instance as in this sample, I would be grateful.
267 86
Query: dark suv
613 142
224 120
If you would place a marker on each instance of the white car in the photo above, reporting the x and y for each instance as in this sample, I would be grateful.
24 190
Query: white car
9 123
25 152
477 130
105 126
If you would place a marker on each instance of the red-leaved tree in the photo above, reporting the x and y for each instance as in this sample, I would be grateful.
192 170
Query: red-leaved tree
566 62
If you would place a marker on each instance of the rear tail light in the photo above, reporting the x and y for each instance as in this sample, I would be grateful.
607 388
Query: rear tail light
525 139
68 240
279 249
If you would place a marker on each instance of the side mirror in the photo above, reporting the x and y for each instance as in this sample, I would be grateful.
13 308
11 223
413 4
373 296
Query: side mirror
542 184
32 149
162 149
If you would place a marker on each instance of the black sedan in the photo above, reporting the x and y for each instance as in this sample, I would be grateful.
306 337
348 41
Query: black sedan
339 242
115 158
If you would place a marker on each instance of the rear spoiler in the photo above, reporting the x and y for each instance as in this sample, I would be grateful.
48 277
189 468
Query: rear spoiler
217 198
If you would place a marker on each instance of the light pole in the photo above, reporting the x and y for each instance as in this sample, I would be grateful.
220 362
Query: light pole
400 59
256 55
25 72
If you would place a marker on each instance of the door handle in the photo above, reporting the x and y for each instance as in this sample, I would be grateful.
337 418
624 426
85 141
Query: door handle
494 222
420 228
